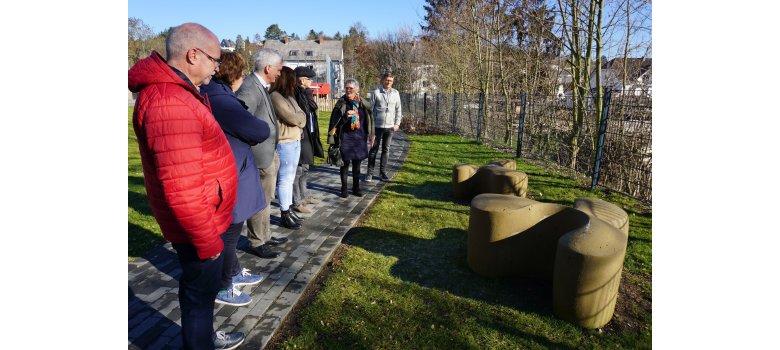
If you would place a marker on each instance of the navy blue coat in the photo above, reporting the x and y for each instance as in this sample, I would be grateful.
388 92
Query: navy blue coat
242 130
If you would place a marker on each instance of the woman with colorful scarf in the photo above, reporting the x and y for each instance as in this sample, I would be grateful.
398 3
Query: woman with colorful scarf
353 126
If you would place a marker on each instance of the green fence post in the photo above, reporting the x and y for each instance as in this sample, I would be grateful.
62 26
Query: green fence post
479 114
600 144
454 109
520 125
438 94
425 107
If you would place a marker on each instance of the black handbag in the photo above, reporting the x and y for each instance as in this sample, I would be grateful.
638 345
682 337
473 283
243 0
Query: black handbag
334 152
334 156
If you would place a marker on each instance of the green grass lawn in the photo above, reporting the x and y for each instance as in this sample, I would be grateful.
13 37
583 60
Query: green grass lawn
403 282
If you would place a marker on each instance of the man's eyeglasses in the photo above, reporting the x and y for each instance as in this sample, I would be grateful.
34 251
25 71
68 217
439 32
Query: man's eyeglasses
217 61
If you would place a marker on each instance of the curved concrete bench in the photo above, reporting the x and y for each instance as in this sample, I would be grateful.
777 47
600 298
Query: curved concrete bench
499 176
579 251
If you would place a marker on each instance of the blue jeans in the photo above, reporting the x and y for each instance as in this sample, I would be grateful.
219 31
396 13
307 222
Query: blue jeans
289 153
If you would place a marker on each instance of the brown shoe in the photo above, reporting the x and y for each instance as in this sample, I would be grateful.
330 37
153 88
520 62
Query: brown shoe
311 201
302 209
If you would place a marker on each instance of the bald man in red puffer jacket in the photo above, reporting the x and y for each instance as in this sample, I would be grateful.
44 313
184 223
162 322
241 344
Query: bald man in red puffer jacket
189 172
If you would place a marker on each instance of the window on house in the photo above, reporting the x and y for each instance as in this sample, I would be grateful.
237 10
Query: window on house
293 52
309 53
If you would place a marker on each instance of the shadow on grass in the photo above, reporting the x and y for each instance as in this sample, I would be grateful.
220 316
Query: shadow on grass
140 240
441 264
135 200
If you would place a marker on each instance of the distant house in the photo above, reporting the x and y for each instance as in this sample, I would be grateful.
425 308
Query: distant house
638 78
325 57
227 45
424 83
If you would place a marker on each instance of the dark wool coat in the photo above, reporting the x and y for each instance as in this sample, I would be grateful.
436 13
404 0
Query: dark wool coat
242 130
339 117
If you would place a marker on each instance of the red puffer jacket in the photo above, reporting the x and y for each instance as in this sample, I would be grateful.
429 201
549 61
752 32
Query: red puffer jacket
189 170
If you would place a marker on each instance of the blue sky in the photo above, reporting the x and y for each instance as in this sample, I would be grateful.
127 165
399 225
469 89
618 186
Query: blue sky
229 18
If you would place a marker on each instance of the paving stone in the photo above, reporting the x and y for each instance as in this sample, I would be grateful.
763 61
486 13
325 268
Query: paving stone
154 316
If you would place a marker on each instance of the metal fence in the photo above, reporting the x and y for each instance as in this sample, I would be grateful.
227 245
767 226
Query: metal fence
614 148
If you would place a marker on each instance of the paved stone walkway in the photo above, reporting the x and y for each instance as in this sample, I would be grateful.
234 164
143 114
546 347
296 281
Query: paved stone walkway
154 319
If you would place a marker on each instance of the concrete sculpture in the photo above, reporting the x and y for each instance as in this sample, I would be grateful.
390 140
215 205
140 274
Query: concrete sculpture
581 250
499 176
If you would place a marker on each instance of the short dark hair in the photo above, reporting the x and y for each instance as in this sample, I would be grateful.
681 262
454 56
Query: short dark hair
285 84
231 68
387 75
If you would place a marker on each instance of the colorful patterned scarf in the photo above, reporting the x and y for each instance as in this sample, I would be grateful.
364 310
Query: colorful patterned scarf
355 121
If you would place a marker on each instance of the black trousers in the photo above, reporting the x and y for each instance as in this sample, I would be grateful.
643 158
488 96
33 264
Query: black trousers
231 266
198 286
383 136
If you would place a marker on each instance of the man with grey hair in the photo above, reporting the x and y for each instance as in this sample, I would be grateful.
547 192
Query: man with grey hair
254 93
189 172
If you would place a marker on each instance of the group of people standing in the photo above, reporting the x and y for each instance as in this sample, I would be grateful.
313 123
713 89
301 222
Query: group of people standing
355 124
217 146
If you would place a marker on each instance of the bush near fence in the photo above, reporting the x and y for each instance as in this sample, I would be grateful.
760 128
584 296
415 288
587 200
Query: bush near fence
623 132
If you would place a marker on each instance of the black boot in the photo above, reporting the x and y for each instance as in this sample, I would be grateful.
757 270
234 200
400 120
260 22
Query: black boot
295 216
343 173
356 187
343 192
288 221
356 179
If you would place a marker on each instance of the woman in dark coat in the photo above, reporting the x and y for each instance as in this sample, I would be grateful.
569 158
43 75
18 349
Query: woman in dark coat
242 130
353 126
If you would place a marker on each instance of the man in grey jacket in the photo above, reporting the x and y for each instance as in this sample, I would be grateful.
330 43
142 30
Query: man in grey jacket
254 93
387 119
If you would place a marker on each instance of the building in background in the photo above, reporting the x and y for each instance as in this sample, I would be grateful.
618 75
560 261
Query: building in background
325 57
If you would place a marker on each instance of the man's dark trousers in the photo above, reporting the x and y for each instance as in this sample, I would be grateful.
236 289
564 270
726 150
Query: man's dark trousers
383 136
198 287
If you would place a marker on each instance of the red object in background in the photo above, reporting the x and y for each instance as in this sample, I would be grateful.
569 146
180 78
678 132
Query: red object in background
320 89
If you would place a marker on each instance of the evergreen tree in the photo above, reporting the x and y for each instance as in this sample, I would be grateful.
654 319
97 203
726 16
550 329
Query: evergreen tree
240 43
274 32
